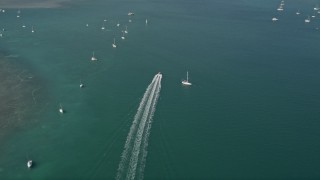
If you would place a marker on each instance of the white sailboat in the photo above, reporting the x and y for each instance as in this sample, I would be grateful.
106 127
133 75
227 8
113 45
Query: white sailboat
126 31
307 20
32 30
29 163
114 43
81 84
123 37
298 12
93 58
118 24
275 19
61 109
186 82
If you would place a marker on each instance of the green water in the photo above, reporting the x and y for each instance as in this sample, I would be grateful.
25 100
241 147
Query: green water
251 113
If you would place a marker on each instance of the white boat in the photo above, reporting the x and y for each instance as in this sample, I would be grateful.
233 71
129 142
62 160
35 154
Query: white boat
280 8
186 82
282 3
32 30
61 109
130 13
118 24
87 25
23 26
123 37
298 12
81 84
114 43
126 31
93 58
146 21
275 19
29 163
316 8
307 20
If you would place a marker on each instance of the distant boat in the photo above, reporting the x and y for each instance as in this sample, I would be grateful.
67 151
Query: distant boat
102 26
130 13
316 8
307 20
275 19
61 109
126 31
87 25
130 20
298 13
186 82
146 21
81 84
23 25
118 24
280 8
282 3
93 58
32 30
123 37
114 43
29 164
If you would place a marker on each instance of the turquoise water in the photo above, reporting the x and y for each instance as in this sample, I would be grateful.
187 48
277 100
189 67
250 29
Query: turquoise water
252 111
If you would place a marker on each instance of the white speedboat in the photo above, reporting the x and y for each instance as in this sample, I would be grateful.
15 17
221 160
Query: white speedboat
186 82
29 163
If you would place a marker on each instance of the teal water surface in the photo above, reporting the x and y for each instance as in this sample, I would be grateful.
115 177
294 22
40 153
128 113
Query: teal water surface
251 113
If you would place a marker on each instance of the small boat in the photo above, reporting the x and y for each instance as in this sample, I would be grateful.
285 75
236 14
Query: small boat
275 19
130 20
186 82
130 13
61 109
24 26
280 8
316 8
298 13
126 31
123 37
81 84
32 30
87 25
114 43
146 21
29 164
93 58
307 20
118 24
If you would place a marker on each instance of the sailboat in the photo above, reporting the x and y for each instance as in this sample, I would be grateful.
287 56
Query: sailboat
186 82
61 110
81 84
298 12
32 30
307 20
275 19
118 24
126 31
29 163
93 58
123 37
114 43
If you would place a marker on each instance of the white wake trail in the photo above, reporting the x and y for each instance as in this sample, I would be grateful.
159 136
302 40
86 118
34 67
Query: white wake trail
138 131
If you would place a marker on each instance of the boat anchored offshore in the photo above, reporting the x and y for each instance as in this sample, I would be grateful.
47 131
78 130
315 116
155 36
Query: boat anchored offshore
275 19
29 163
61 109
93 58
114 43
186 82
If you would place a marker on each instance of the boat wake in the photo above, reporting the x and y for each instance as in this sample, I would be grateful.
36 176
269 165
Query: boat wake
134 154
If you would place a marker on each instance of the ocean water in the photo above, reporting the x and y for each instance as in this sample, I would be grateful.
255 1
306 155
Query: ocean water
251 113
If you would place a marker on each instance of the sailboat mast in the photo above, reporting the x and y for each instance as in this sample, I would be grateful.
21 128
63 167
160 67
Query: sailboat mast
187 76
